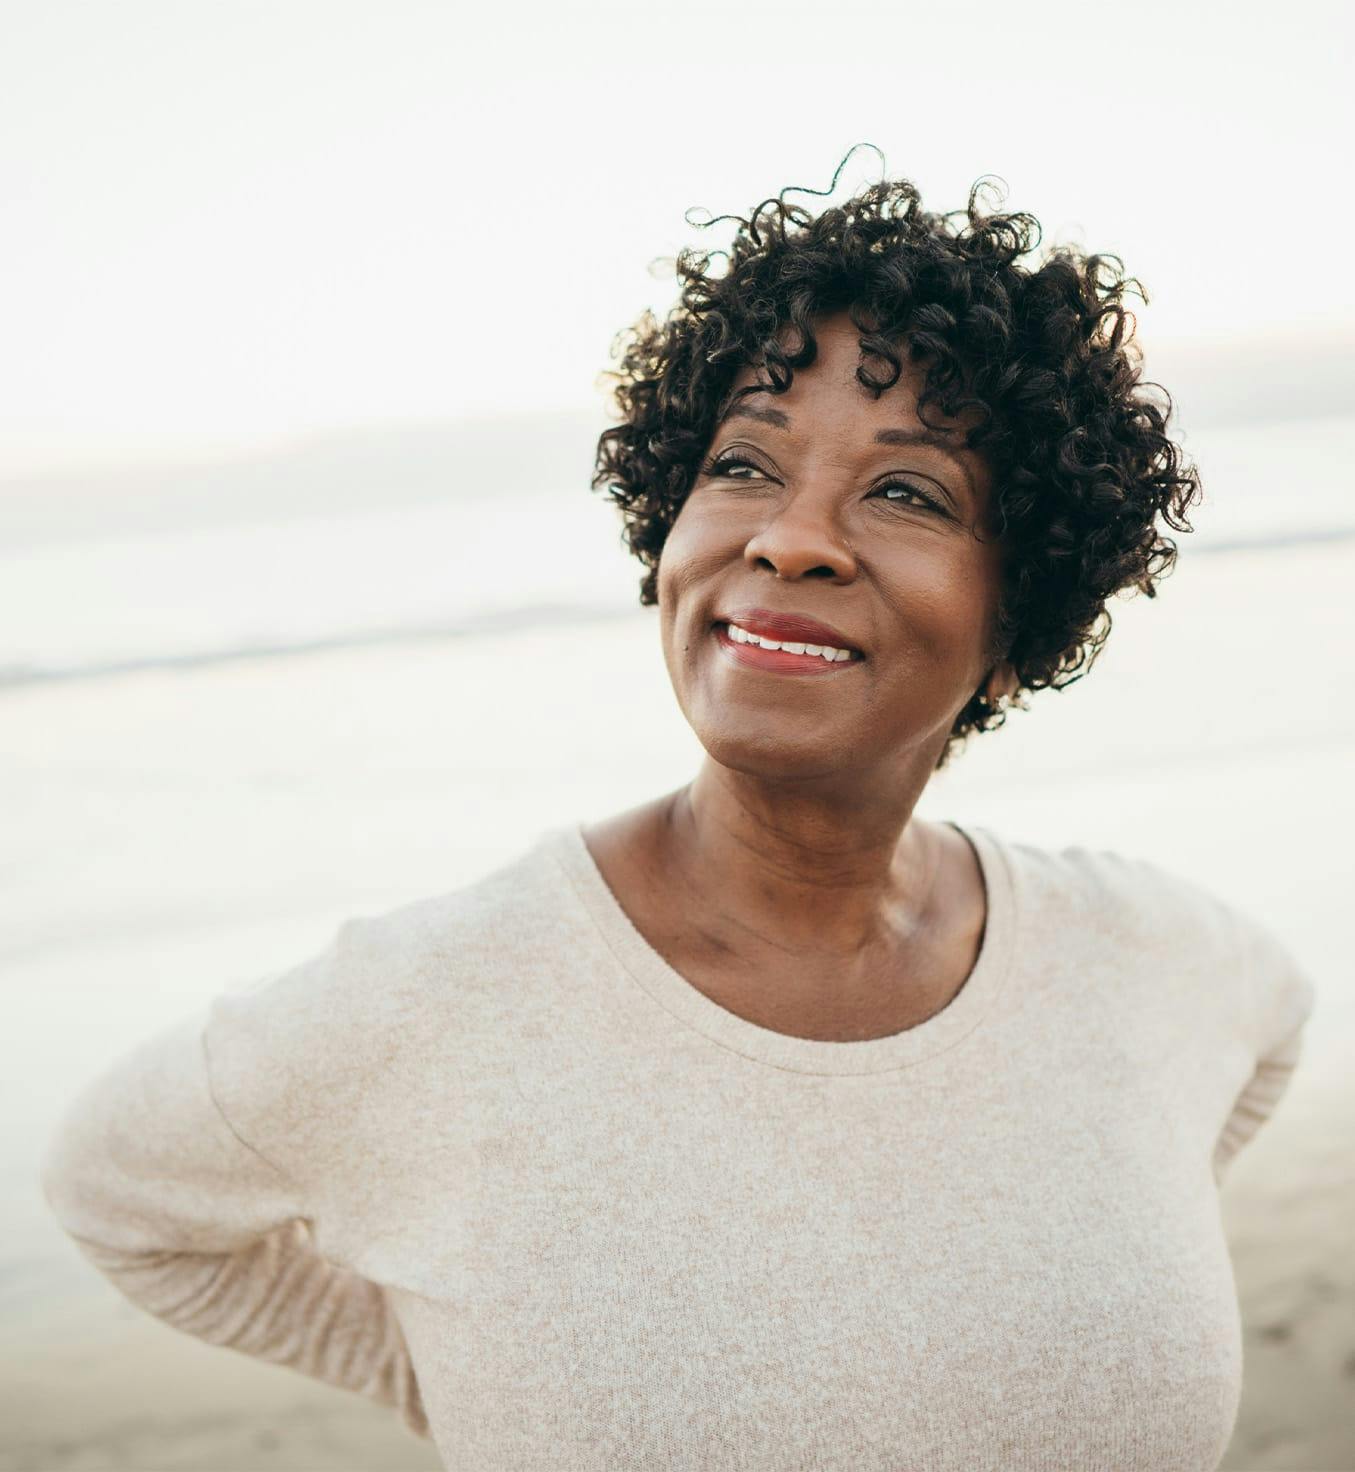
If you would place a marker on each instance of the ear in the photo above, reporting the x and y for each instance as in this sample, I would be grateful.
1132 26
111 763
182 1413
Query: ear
1002 680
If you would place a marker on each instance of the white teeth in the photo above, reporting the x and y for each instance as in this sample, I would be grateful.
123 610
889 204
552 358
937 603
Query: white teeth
824 651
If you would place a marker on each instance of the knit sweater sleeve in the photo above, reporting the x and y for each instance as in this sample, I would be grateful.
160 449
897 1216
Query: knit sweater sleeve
1280 997
191 1221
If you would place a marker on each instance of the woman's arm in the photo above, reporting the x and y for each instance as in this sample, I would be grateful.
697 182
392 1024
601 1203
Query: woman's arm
192 1224
1257 1102
1280 997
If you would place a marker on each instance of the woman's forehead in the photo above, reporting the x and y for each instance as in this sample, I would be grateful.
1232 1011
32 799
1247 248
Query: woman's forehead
830 387
834 374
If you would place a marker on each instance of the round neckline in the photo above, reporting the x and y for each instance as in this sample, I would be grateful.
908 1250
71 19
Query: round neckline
936 1034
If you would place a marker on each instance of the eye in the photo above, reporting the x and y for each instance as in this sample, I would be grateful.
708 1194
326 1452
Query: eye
721 463
902 485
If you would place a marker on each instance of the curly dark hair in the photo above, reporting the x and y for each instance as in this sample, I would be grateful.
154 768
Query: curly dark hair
1039 357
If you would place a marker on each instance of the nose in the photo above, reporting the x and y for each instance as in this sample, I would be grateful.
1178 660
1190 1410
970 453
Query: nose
801 539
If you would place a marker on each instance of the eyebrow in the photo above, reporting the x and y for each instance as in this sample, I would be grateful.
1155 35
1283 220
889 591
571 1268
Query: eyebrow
781 419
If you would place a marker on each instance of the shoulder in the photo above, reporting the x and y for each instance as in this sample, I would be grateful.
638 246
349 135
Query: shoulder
390 996
1122 894
1143 920
383 962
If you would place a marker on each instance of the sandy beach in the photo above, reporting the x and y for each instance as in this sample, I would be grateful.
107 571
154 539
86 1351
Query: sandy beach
171 832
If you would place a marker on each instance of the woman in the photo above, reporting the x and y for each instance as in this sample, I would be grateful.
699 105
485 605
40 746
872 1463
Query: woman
767 1125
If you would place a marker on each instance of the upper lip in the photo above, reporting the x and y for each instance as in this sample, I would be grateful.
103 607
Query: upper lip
796 627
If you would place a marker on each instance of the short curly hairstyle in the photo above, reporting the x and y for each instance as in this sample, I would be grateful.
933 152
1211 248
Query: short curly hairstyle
1039 357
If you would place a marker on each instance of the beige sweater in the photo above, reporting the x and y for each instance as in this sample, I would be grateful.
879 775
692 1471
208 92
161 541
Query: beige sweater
489 1160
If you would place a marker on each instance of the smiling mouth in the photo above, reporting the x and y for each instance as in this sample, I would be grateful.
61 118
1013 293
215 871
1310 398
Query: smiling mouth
796 660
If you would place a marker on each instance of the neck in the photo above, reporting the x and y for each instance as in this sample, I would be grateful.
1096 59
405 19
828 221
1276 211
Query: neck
799 868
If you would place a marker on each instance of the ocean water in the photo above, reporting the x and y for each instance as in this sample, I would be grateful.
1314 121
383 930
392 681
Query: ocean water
106 584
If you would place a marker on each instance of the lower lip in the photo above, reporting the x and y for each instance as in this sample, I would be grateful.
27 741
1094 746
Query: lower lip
780 661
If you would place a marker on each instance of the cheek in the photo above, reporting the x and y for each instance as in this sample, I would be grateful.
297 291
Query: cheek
944 600
693 550
941 604
674 551
676 574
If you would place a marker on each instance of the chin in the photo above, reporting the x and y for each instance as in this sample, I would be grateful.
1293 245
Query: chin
761 754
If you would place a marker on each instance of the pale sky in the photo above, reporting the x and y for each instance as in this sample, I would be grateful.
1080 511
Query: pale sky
228 222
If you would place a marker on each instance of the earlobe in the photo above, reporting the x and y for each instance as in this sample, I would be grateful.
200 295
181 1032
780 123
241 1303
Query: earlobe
1001 685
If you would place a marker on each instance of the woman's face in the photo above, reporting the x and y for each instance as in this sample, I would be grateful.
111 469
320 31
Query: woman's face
825 519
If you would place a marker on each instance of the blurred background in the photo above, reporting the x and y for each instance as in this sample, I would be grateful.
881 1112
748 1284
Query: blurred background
307 609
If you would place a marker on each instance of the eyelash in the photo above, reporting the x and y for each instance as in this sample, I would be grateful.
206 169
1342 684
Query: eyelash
722 462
